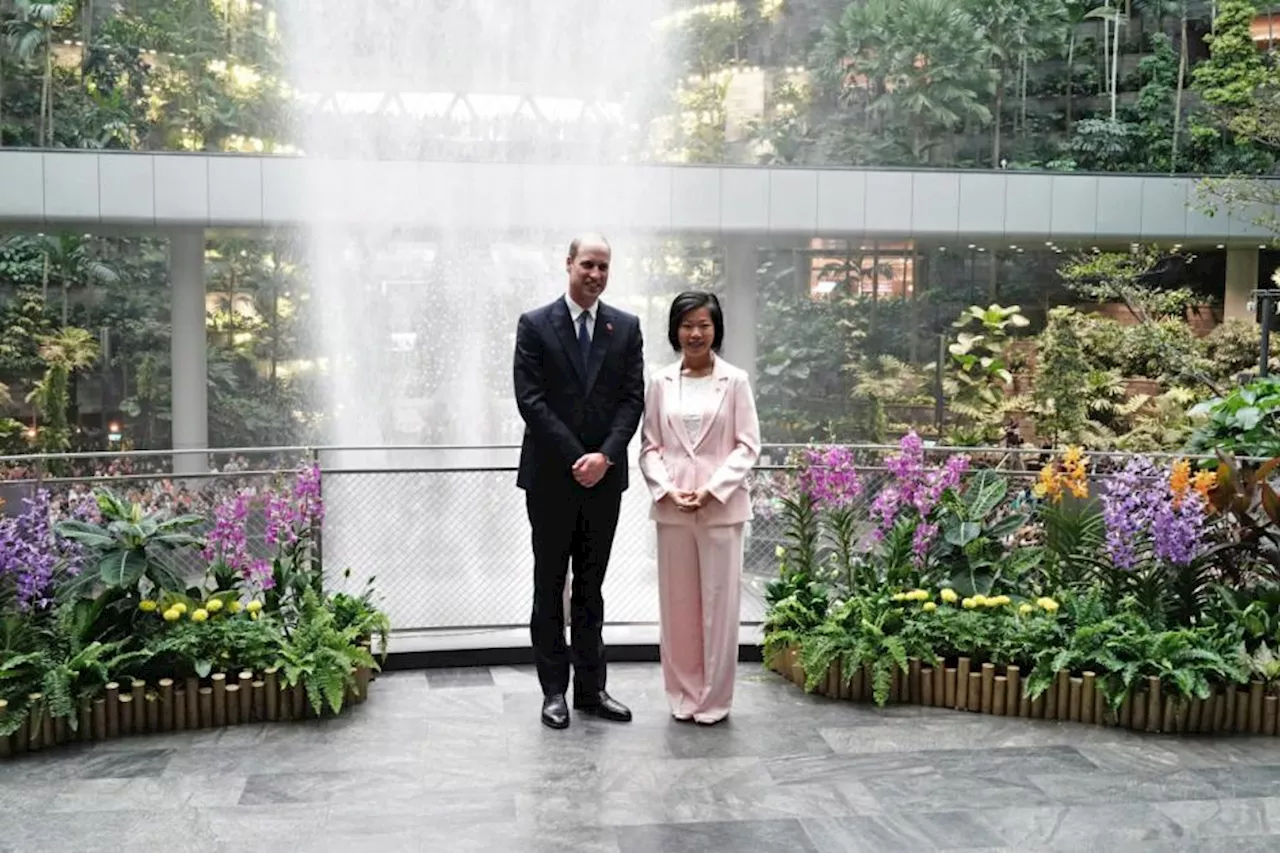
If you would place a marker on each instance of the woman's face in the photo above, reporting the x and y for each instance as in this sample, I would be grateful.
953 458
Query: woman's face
697 333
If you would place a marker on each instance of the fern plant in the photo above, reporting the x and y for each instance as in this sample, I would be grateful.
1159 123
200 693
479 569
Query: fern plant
68 667
321 656
797 604
866 630
359 612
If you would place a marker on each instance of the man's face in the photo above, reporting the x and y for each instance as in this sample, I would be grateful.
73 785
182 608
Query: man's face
588 274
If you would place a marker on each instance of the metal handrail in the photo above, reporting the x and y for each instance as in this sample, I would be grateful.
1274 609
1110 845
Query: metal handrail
315 450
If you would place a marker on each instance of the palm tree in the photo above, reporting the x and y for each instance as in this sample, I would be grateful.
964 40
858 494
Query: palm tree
1015 33
37 20
64 353
69 259
1116 17
1076 13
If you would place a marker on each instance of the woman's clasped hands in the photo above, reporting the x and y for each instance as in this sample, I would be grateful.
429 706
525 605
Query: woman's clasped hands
689 500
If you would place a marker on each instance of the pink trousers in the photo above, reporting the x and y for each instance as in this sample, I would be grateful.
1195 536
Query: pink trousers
699 592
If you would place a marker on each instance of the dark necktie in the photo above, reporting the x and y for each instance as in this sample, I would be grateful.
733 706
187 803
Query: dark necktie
584 339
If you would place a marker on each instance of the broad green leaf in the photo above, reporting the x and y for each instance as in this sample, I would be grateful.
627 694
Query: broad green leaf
963 533
1245 419
83 532
122 569
986 490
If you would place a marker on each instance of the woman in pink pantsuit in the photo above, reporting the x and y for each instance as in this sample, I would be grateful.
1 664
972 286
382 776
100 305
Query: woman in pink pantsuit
700 439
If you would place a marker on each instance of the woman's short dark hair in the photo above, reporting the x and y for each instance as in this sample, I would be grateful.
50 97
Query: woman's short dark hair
692 300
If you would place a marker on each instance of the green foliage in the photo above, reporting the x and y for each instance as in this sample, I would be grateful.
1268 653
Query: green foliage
1234 347
1193 628
322 657
1128 277
1074 533
189 648
359 612
1235 69
1061 370
974 525
1123 649
64 664
131 545
977 373
865 630
1246 422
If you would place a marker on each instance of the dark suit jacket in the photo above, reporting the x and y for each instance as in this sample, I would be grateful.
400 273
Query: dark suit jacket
569 408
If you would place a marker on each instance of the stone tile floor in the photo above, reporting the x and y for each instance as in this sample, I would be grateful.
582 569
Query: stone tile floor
456 761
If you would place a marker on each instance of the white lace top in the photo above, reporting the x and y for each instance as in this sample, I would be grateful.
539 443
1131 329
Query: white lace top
693 402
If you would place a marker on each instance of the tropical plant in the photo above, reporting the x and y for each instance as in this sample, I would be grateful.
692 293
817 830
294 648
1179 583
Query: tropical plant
132 547
978 374
322 657
1244 423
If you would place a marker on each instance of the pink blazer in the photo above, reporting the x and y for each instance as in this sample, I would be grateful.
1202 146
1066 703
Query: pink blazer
718 459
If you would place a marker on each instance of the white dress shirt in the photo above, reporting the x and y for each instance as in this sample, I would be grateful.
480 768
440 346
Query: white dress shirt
694 391
575 312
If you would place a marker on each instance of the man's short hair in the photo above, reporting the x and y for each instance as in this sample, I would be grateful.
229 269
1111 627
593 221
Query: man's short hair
577 242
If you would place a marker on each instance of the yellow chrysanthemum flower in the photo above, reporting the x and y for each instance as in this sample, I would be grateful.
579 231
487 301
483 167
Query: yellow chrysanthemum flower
949 596
147 605
172 615
1025 609
254 606
928 607
968 604
200 615
214 605
181 607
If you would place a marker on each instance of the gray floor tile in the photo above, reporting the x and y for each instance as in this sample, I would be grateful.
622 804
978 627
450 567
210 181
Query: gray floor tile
440 679
894 833
1071 829
768 836
147 793
127 765
458 761
1242 781
1102 788
1224 818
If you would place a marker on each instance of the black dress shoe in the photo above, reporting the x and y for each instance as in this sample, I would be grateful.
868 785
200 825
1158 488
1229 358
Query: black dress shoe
555 713
604 706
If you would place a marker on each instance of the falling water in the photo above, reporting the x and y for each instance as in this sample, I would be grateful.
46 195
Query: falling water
418 323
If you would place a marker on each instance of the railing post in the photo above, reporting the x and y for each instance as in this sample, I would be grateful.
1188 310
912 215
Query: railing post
317 528
939 402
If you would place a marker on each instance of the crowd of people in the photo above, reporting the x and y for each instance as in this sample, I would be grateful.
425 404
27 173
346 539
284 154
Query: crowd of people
145 480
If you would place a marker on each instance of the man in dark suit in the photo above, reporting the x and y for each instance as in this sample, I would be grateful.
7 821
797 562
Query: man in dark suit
579 385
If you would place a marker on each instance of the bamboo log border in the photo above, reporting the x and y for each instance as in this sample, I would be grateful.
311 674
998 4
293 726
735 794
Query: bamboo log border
963 684
135 707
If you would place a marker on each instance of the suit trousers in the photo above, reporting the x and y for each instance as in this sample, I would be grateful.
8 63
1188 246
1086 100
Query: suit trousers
699 592
575 527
